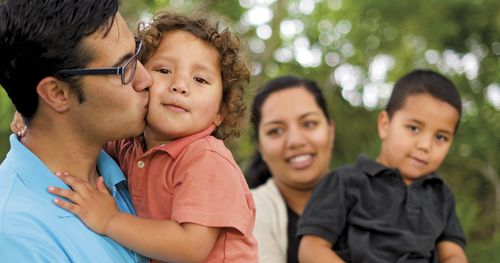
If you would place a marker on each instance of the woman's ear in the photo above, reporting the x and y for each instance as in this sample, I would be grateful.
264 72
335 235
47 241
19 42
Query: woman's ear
54 93
331 130
383 124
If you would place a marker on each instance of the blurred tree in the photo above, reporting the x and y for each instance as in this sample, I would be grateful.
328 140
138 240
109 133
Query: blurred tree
356 50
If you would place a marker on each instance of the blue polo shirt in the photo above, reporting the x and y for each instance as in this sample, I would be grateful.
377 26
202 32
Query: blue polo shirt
34 229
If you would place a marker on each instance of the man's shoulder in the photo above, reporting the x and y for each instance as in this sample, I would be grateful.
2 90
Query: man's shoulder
8 178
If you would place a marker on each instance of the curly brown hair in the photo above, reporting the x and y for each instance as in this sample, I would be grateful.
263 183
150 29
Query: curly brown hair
235 71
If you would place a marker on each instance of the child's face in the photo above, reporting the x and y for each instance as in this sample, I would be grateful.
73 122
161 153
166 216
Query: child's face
418 136
187 90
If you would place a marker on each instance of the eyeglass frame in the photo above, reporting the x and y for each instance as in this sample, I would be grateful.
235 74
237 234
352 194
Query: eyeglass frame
120 70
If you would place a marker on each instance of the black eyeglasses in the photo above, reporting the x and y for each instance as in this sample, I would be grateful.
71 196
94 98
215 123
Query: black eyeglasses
126 70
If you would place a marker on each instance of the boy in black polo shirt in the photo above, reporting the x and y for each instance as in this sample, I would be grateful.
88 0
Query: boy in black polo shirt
394 209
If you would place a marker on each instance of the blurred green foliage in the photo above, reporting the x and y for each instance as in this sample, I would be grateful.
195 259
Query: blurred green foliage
356 49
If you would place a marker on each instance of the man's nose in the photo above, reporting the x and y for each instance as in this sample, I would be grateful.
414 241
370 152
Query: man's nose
143 79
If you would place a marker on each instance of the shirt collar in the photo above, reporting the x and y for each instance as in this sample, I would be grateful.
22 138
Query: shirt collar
175 147
37 177
373 168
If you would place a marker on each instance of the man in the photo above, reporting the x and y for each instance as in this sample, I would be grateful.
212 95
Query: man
71 70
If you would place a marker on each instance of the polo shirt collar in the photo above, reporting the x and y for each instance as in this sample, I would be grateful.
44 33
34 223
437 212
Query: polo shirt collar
175 147
373 168
37 177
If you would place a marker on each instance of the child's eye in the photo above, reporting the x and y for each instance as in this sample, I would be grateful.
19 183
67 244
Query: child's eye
201 80
164 71
413 128
441 137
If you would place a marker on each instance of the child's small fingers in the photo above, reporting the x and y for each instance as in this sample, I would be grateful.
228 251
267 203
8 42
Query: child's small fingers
75 183
101 186
68 194
67 206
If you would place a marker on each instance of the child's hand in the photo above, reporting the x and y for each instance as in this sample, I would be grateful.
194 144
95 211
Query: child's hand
95 207
17 125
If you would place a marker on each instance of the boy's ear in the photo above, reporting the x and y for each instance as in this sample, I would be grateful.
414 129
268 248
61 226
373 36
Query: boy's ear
218 119
383 124
54 93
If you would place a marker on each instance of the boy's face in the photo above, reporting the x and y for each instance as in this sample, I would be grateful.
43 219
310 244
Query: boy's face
186 94
418 136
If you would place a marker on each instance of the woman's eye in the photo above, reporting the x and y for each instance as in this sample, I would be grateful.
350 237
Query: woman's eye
201 80
310 124
274 132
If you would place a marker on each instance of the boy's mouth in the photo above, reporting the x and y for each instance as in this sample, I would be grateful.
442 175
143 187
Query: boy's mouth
419 160
175 108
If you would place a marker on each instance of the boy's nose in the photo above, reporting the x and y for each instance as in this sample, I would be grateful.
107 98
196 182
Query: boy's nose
179 85
424 143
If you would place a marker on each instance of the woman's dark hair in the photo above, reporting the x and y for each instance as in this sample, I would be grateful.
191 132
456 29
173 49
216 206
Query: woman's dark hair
257 172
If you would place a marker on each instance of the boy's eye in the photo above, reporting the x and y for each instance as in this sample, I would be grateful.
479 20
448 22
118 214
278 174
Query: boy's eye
413 128
201 80
164 71
441 137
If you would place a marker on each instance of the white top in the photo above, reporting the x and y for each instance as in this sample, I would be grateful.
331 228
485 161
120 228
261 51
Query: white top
271 223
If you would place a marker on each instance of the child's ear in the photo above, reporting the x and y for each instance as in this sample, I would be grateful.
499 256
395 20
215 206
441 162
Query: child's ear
54 93
383 124
218 119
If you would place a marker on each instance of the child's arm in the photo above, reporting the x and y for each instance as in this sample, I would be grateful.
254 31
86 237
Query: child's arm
317 249
163 240
450 252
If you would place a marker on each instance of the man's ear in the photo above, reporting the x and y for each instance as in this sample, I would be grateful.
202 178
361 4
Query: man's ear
54 93
383 124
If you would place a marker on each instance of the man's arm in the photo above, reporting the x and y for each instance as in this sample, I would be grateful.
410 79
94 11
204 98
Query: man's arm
316 249
163 240
450 252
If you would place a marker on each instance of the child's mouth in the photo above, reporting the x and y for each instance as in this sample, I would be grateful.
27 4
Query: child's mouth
175 108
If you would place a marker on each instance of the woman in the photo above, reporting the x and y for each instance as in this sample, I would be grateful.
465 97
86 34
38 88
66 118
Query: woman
294 136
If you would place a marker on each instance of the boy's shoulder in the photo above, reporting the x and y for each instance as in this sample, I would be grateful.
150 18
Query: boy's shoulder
363 168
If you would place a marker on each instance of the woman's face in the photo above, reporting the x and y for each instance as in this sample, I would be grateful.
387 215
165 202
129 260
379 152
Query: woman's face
295 138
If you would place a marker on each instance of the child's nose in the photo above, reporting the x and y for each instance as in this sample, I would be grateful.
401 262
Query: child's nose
179 85
424 143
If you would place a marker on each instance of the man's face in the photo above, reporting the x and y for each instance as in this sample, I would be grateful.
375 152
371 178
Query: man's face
112 110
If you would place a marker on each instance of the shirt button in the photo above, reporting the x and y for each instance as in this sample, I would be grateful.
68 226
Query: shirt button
140 164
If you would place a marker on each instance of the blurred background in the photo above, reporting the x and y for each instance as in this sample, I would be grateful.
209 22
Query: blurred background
356 50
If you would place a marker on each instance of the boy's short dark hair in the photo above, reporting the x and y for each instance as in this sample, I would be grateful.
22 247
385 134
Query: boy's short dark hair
235 71
424 81
37 38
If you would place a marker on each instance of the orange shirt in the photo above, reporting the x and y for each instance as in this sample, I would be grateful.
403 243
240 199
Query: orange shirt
192 179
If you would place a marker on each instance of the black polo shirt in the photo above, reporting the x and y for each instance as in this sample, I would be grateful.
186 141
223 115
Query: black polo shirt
369 215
